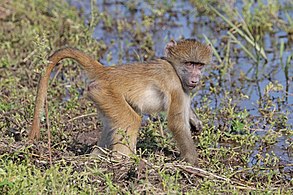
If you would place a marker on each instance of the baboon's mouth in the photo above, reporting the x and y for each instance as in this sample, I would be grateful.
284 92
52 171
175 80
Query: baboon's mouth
191 86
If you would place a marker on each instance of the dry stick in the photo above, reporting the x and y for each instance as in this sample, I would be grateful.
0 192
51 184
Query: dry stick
203 173
47 117
29 56
200 172
56 74
82 116
48 131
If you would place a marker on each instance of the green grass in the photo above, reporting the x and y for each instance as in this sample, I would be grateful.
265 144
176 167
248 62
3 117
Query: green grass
235 148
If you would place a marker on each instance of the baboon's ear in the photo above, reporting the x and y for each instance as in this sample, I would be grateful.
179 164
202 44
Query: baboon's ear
210 47
169 45
172 43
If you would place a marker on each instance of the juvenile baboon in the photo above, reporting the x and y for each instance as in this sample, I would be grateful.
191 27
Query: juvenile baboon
121 93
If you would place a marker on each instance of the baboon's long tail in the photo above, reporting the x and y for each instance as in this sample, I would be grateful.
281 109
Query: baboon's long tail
90 65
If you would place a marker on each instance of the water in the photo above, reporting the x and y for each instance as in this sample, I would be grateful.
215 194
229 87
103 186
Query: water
183 20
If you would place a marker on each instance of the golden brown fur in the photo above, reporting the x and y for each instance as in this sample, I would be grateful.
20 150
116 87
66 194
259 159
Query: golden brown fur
122 93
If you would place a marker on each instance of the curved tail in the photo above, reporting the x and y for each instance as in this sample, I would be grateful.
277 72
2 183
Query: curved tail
90 65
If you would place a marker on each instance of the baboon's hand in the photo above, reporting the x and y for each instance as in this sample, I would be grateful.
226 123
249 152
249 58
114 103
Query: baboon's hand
195 123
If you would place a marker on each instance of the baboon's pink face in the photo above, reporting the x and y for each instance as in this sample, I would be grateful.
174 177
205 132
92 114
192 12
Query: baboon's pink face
192 74
188 57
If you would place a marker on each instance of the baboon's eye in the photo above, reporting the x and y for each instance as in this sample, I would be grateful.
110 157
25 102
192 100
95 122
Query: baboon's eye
200 66
190 64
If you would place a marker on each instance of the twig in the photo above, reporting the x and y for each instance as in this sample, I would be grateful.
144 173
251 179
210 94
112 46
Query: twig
82 116
203 173
48 131
29 56
200 172
56 74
